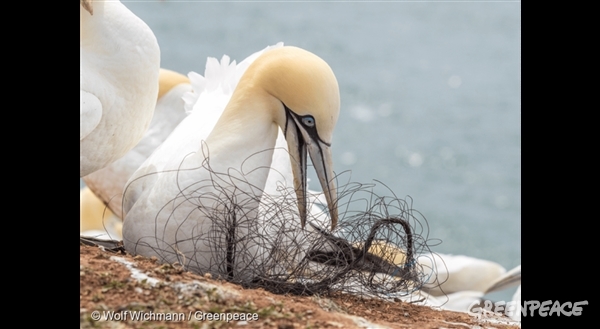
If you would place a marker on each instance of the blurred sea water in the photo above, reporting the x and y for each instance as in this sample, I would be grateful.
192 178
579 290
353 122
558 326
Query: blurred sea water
431 98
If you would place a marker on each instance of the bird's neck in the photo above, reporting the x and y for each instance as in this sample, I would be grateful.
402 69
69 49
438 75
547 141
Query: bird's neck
243 139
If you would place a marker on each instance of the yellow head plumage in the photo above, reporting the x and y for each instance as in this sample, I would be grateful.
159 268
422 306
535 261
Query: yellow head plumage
168 79
302 81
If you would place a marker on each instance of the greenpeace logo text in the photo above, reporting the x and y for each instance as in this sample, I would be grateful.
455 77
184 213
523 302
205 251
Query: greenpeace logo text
529 308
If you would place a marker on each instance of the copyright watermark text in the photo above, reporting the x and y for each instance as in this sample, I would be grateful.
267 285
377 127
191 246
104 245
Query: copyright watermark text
171 316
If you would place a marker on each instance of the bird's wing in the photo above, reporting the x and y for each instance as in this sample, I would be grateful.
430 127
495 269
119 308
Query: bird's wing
511 278
452 273
90 113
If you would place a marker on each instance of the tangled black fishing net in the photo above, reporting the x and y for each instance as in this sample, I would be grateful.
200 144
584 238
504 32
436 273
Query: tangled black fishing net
372 251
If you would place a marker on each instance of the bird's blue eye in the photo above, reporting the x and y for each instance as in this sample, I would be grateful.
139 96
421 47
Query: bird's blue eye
308 121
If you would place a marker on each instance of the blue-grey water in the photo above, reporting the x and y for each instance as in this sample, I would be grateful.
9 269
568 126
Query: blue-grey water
431 98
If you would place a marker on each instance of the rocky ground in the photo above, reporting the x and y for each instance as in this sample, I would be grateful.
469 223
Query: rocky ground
138 292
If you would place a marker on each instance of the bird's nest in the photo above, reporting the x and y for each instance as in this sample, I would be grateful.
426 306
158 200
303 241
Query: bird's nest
372 251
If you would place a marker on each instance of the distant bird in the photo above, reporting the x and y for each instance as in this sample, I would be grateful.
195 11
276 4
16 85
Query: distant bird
470 300
445 274
174 203
453 273
119 61
454 282
108 183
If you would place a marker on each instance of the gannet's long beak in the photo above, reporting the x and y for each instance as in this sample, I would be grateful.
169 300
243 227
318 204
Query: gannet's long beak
301 136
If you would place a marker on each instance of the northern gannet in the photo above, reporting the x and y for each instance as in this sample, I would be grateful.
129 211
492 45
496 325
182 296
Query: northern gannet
119 61
472 300
454 282
108 183
196 207
454 273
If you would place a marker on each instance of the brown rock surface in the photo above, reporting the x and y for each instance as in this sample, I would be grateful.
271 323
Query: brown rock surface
125 286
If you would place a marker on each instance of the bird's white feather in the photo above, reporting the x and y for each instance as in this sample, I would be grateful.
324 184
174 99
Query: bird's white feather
90 113
119 65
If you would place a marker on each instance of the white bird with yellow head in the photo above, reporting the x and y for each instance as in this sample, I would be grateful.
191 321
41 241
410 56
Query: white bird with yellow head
198 208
